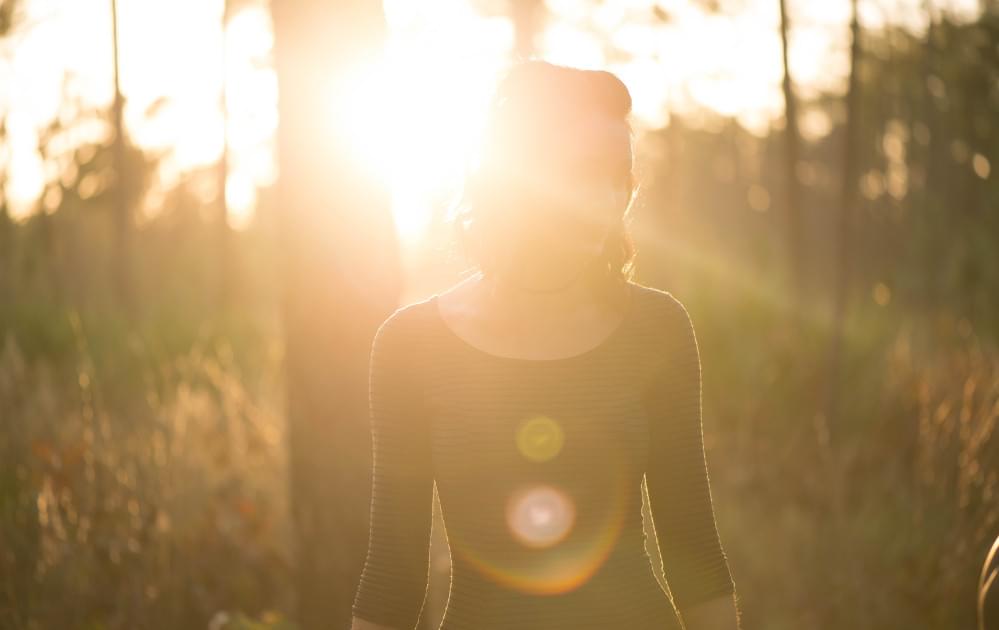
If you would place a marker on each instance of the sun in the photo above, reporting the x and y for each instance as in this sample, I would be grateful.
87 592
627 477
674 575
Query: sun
413 115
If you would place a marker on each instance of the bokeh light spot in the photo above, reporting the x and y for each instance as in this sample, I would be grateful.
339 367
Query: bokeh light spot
540 516
540 438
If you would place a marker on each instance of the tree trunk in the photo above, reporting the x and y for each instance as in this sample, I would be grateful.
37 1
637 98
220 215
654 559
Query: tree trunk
341 278
122 255
225 274
792 137
526 16
844 232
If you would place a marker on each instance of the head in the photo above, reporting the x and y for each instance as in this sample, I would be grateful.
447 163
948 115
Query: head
551 188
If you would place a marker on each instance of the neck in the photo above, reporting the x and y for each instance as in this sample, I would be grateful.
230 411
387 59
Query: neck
536 295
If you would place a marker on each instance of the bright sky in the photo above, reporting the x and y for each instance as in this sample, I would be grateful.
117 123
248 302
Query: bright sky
169 51
172 52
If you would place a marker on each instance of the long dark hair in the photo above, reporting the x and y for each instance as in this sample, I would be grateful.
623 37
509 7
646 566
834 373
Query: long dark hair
533 103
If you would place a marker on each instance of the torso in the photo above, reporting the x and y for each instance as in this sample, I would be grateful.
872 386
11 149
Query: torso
539 467
495 411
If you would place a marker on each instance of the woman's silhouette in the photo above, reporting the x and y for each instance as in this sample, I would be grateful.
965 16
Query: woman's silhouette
539 393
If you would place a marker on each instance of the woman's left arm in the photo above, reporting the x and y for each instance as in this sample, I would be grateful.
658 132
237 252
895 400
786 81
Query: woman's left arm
695 563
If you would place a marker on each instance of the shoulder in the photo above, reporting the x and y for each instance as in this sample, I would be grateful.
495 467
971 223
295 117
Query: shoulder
403 326
658 298
661 311
665 330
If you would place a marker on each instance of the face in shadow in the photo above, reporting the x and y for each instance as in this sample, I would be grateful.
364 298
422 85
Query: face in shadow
568 196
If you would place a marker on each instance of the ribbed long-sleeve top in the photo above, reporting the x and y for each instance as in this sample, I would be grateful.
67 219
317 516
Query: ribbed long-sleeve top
539 466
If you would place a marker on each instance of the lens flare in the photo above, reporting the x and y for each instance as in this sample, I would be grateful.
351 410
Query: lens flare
540 438
542 529
540 516
560 549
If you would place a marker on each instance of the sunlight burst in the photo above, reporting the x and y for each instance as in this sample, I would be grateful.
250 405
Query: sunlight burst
414 115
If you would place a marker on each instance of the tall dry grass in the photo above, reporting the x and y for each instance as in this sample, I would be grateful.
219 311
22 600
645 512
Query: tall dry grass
157 506
881 521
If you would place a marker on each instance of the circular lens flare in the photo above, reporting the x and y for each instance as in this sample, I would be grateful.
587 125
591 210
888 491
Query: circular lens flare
540 438
540 516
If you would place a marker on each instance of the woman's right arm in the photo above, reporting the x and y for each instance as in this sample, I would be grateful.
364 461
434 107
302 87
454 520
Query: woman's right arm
695 563
393 584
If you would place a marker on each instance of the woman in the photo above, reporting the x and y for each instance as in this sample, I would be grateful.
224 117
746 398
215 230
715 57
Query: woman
538 393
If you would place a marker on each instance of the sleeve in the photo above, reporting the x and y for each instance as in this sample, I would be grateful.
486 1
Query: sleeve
393 584
694 562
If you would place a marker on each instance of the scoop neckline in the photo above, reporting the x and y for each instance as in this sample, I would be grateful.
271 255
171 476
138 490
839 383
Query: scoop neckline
606 342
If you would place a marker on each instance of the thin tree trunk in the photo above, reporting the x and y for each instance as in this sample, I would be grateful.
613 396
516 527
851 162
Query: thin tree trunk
526 16
935 182
844 232
226 276
835 477
121 256
792 137
6 235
